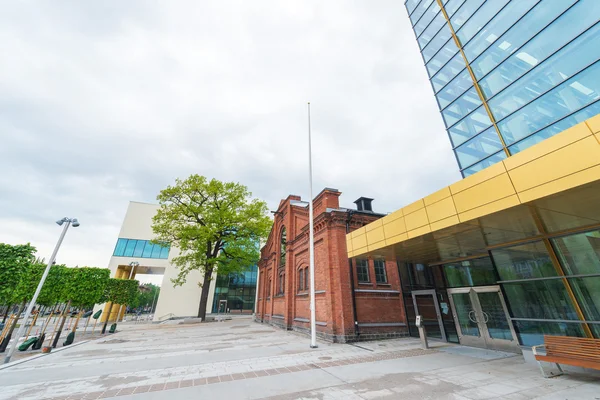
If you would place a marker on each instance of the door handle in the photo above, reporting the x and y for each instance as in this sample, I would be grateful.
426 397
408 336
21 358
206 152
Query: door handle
486 316
471 318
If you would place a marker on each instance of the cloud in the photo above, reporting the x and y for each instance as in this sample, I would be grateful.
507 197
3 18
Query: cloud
106 102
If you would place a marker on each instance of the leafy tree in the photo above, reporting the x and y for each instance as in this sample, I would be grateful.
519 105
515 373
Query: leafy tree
13 261
87 286
120 292
146 295
216 225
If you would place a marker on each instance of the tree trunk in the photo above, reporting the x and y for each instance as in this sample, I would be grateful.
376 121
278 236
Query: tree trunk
107 317
14 324
8 308
204 294
62 324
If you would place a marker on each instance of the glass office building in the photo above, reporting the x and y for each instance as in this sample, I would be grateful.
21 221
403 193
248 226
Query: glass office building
235 293
508 74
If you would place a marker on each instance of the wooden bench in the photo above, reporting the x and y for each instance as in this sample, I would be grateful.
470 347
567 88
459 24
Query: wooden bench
579 352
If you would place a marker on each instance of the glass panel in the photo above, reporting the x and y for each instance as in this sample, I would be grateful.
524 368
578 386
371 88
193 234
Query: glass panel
470 273
426 308
448 72
164 252
556 128
494 316
470 126
478 148
362 271
465 314
531 333
411 5
455 88
570 96
130 247
523 262
496 158
541 15
461 107
430 13
481 17
139 248
501 22
156 251
464 13
380 272
430 32
452 5
587 293
545 299
420 10
559 33
441 37
442 57
120 247
148 250
579 254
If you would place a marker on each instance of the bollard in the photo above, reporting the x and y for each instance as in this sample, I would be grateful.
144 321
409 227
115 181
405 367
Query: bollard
422 332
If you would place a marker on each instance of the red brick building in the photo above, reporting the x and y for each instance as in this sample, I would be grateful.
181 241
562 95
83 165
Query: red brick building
354 301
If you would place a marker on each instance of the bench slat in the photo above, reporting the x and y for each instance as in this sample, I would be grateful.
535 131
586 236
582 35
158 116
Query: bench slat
570 361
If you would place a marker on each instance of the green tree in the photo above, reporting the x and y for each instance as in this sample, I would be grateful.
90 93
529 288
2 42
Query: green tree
119 292
13 262
216 225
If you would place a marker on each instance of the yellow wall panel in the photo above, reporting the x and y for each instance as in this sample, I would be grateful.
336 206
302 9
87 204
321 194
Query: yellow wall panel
358 232
477 178
359 241
558 185
489 208
417 205
597 137
396 239
394 228
348 243
594 123
392 217
375 235
566 161
416 219
375 224
440 210
419 231
437 196
549 145
376 246
486 192
444 223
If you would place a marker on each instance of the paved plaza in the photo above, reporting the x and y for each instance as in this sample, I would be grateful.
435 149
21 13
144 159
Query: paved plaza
239 359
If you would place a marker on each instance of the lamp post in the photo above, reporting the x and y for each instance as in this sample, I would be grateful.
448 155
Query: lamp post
311 244
66 222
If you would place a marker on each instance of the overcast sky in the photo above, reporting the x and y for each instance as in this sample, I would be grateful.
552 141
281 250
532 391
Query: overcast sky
103 102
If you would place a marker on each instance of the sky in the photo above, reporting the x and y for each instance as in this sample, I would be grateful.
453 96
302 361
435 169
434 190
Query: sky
106 102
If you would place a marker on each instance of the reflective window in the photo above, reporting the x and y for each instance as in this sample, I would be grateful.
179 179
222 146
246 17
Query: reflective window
515 37
481 17
523 262
563 100
545 299
420 10
452 5
429 15
578 55
433 28
362 271
497 26
556 35
238 290
461 107
532 333
448 72
140 248
455 88
586 292
412 4
436 43
488 162
442 57
470 126
478 148
464 13
579 254
470 273
380 272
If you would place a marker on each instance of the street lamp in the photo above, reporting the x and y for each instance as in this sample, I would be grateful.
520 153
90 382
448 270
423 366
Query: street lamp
66 222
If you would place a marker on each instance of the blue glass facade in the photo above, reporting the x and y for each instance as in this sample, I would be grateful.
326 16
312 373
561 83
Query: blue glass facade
534 63
140 249
238 290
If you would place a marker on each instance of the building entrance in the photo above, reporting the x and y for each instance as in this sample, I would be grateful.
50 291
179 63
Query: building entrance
482 319
426 305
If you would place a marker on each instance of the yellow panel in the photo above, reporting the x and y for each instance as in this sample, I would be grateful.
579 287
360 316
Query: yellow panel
392 217
359 241
498 205
375 235
416 219
373 225
437 196
417 205
418 232
358 232
376 246
489 191
444 223
549 145
477 178
594 123
360 251
597 137
440 210
558 185
568 160
348 243
394 228
396 239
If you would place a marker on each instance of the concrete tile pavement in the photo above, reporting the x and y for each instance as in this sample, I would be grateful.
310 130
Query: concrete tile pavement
250 361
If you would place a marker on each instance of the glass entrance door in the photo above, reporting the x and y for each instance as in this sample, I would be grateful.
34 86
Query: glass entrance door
481 318
426 305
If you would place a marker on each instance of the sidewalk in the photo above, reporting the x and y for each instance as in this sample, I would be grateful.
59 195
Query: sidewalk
244 360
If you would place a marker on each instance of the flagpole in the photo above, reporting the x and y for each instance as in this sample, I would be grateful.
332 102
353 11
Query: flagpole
311 244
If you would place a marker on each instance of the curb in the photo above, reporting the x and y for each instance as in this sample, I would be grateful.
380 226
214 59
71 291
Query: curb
14 363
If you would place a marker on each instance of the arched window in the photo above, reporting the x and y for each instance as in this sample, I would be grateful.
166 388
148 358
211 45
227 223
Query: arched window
283 248
306 281
301 279
281 282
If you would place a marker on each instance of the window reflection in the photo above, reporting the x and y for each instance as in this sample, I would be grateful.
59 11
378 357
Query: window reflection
470 273
532 333
524 262
488 162
478 148
579 254
544 299
140 248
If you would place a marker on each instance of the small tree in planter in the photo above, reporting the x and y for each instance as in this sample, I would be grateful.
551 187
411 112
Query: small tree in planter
119 292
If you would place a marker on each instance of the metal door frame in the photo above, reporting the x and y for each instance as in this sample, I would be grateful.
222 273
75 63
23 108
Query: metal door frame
484 340
430 292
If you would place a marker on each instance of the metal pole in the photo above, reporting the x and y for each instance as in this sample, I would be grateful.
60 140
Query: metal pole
311 244
37 293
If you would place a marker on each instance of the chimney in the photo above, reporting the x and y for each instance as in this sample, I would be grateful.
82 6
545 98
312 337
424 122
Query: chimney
364 204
